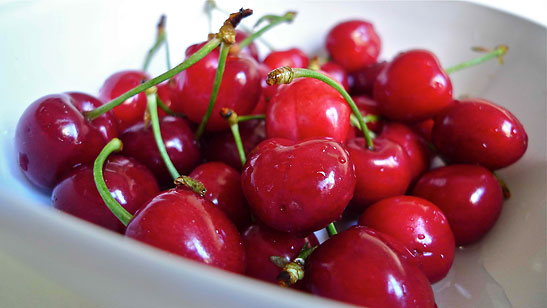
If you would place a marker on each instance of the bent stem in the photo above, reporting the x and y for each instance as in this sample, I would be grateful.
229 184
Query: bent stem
232 119
498 52
292 271
115 145
160 38
274 21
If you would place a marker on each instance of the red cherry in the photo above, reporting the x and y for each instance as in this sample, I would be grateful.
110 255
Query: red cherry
357 267
381 173
298 187
130 183
307 108
53 136
413 87
470 197
223 185
132 110
368 106
353 44
239 89
336 72
293 57
424 128
168 95
477 131
181 222
361 82
262 242
178 137
249 50
420 226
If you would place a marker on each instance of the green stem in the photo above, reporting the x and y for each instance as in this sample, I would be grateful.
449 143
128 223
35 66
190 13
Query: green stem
160 38
122 214
498 52
165 108
368 118
233 120
289 16
331 229
224 49
191 60
153 110
251 117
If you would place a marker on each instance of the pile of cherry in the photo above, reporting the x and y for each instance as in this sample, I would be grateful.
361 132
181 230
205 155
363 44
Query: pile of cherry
308 161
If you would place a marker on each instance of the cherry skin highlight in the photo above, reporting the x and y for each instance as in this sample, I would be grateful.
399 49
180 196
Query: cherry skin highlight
357 267
477 131
470 197
181 222
413 87
130 183
420 226
298 187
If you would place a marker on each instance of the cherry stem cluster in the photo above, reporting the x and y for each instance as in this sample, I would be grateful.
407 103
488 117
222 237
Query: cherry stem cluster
274 21
233 120
115 145
498 52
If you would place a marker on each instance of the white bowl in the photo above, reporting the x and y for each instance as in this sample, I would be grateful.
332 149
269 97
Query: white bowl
51 47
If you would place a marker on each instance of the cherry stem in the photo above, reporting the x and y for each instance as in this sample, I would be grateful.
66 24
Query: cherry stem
498 52
274 21
193 184
160 38
167 109
233 120
115 145
331 229
368 118
251 117
151 96
224 49
293 271
286 74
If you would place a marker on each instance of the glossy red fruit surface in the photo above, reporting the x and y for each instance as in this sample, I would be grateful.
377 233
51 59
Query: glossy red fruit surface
131 110
420 226
353 44
106 123
52 136
223 184
368 106
262 242
381 173
130 183
181 222
413 87
337 73
361 82
298 187
424 128
357 267
239 89
477 131
293 57
307 108
178 137
168 95
470 197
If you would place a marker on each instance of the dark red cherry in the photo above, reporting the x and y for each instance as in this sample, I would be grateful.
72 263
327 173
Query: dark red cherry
293 57
381 173
307 108
420 226
250 50
477 131
357 267
262 242
53 136
183 149
298 187
221 146
129 182
181 222
361 82
424 128
470 197
413 87
368 106
239 89
223 185
415 147
132 110
353 44
106 123
336 72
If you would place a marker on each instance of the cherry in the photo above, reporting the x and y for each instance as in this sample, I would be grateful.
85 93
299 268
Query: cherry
420 226
298 187
477 131
470 197
415 147
337 73
131 110
250 50
182 222
293 57
130 183
413 87
52 136
381 173
353 44
239 89
357 267
262 242
361 82
368 106
424 128
168 95
307 108
223 185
